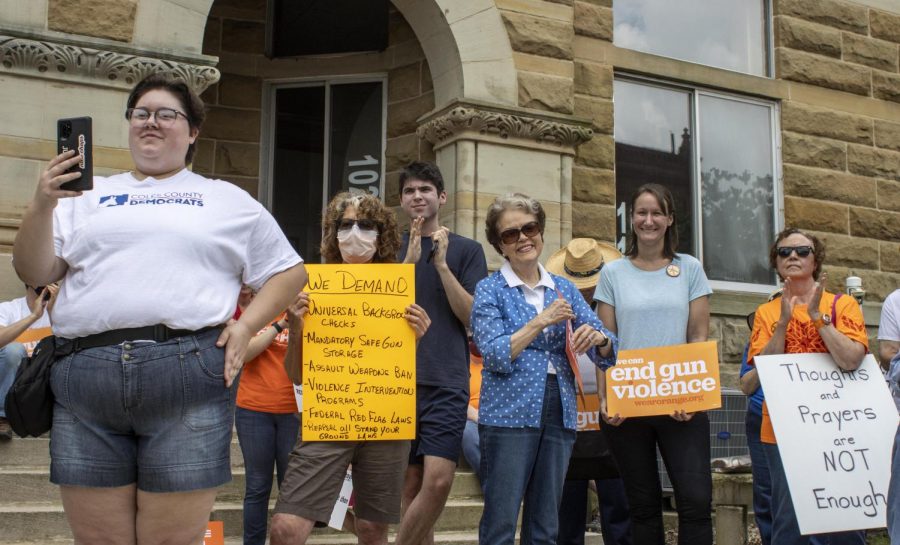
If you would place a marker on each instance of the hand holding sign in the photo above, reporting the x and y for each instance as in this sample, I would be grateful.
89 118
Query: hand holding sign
585 337
612 420
298 309
418 320
682 415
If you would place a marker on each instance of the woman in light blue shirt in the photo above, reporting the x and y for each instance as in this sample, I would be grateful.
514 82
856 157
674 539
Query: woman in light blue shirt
656 297
527 408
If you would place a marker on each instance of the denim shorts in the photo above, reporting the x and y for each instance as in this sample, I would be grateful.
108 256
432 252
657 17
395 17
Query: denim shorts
155 414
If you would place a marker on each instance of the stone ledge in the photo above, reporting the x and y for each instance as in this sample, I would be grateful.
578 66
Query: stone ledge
95 62
474 120
593 56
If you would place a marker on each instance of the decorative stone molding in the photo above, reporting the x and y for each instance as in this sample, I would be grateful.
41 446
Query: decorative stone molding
50 59
468 120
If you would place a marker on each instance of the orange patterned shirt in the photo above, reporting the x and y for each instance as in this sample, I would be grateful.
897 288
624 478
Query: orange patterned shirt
802 337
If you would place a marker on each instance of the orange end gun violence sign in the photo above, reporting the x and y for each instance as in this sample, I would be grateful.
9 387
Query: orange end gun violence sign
660 381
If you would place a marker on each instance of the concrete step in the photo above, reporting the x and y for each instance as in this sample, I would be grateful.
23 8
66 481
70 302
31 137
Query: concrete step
32 484
41 521
32 453
443 538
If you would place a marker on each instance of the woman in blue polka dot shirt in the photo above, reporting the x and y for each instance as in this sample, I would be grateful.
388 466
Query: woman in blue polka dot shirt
527 409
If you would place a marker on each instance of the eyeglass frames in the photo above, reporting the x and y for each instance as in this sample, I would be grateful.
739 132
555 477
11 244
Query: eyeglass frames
163 116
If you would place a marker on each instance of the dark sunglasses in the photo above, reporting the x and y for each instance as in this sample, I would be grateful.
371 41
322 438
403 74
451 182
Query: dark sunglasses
802 251
364 224
530 229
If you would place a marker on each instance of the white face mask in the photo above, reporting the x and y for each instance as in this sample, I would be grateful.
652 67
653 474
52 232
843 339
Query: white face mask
357 245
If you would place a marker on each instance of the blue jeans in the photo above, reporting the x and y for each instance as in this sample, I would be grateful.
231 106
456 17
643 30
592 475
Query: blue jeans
685 451
527 463
762 482
893 509
266 440
615 522
785 529
10 357
471 448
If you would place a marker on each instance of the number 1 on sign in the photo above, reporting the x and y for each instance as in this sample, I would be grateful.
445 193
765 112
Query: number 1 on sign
368 160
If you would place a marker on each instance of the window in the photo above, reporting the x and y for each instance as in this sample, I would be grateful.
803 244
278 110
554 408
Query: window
723 180
730 34
321 138
316 27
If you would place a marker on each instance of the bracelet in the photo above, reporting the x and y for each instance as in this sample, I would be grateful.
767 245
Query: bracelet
278 328
604 343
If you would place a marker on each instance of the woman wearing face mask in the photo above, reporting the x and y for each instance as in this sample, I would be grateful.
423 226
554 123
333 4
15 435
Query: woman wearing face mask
355 229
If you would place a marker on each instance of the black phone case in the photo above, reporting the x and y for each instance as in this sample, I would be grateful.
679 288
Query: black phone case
75 133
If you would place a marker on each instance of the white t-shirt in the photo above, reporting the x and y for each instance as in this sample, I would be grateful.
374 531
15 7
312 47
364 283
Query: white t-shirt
172 251
889 326
16 310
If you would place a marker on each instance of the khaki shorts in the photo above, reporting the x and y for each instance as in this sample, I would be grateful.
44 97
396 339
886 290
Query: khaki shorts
316 472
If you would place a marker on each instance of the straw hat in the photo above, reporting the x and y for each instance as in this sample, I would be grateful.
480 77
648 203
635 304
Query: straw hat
580 261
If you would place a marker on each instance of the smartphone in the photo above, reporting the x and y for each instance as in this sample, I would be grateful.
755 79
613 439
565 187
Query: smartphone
75 133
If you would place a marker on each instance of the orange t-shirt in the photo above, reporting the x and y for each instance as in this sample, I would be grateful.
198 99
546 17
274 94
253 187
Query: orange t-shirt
475 367
265 386
802 337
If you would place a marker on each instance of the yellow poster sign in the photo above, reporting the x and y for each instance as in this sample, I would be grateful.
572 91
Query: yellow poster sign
359 353
654 381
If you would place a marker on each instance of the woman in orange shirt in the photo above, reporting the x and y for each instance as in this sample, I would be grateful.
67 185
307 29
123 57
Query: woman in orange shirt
470 442
805 319
267 423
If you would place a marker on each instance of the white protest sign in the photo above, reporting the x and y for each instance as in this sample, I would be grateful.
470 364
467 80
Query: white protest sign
339 512
835 431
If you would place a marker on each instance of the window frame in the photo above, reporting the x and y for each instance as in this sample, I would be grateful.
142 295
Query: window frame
695 92
269 121
768 42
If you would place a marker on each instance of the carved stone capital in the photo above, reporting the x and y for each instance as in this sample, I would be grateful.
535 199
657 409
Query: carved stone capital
50 59
519 127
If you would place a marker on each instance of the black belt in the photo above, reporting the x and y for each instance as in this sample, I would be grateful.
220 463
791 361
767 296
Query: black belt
159 333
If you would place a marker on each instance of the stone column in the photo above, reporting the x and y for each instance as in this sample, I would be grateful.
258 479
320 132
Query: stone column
486 150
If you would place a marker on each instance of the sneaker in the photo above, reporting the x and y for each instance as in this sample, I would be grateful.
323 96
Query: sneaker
594 525
5 429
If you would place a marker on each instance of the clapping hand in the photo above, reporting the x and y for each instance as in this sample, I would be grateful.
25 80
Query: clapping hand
414 248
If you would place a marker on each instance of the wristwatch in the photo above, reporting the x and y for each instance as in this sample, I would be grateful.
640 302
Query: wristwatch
278 328
822 321
604 343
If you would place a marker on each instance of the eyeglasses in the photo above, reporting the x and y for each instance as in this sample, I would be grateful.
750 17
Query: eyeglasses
530 229
364 224
163 116
786 251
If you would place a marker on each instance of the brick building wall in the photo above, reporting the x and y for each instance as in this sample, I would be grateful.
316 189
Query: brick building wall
842 169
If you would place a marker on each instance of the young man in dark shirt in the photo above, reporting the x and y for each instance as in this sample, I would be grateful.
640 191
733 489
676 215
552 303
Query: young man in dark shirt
448 267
